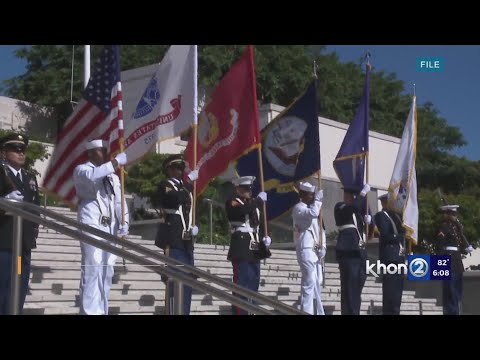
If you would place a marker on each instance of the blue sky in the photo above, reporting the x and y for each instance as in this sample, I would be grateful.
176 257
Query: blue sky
455 92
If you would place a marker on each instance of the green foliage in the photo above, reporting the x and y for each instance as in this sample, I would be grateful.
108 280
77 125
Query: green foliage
430 217
144 176
221 235
332 235
282 73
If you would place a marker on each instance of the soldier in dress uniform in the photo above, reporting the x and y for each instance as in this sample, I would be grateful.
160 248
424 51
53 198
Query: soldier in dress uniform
246 250
392 251
350 249
100 206
176 235
307 243
17 184
451 241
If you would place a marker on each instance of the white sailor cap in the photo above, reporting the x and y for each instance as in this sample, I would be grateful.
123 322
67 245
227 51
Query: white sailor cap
307 187
449 207
95 144
244 181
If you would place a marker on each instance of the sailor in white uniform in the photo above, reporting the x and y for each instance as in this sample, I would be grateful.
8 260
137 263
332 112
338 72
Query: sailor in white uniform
309 249
99 193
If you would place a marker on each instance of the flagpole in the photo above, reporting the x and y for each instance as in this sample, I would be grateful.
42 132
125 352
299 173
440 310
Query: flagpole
262 188
367 172
259 152
194 200
121 146
319 183
195 131
409 242
86 65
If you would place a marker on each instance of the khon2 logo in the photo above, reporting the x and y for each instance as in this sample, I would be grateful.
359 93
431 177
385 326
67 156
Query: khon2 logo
418 267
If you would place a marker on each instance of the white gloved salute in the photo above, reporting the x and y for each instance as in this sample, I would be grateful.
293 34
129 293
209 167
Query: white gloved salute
122 230
121 159
319 195
193 175
267 241
263 196
15 195
367 219
365 190
194 230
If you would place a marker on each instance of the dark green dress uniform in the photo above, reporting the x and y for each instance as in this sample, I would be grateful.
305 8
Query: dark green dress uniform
392 250
351 256
26 183
451 241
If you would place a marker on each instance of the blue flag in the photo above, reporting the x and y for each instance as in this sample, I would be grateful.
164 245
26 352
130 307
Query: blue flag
290 153
350 161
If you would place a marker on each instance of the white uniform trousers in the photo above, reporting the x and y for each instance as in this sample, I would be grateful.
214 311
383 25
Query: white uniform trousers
96 277
311 281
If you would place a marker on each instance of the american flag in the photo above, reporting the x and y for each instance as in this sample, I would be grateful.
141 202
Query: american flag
98 115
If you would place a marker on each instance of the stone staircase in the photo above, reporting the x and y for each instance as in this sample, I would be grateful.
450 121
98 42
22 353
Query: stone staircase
136 290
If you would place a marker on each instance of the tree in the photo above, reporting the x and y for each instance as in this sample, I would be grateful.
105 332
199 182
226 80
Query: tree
282 72
430 217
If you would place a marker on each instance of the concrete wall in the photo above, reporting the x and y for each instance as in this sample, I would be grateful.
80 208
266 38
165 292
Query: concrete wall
15 114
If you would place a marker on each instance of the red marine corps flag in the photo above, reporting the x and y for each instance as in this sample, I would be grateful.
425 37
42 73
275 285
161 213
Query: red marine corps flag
228 125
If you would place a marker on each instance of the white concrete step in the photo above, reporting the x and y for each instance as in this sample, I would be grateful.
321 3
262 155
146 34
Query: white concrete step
56 275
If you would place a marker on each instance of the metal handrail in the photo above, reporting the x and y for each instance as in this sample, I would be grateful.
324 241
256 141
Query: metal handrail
14 207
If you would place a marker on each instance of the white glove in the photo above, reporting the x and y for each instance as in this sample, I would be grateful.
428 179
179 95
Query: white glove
121 159
367 219
122 230
263 196
193 175
322 253
267 241
15 195
319 195
365 190
194 230
469 249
